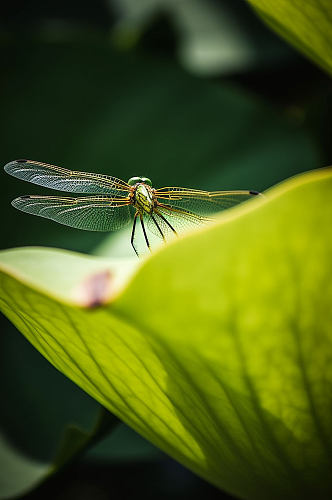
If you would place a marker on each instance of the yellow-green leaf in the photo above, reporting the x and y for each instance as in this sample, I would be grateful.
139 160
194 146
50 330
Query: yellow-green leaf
218 348
306 24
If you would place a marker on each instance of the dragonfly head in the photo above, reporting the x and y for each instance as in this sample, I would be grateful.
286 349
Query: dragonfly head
137 180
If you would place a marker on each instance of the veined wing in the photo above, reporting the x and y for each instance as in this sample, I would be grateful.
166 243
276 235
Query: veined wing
202 202
166 219
62 179
93 213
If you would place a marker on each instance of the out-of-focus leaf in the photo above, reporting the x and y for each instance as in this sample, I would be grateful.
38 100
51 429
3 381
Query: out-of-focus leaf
75 440
19 473
306 24
213 37
218 349
123 445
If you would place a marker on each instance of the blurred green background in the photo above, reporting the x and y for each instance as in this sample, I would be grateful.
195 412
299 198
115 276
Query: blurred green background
191 93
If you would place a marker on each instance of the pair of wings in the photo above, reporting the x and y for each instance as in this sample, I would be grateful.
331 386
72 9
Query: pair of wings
108 206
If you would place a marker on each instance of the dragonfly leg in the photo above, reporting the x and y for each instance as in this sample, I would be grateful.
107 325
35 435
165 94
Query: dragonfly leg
133 234
166 221
144 232
158 227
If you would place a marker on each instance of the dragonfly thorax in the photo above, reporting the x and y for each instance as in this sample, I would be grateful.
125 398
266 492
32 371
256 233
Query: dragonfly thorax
143 198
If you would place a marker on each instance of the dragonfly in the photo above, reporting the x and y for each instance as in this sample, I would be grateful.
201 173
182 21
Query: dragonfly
111 203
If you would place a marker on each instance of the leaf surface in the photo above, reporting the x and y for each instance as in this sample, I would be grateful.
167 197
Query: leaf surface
218 349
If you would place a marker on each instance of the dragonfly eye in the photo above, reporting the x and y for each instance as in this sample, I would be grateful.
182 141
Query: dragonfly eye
134 180
146 180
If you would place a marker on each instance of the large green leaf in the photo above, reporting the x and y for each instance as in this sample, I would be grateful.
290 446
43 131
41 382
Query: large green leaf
306 24
217 349
157 109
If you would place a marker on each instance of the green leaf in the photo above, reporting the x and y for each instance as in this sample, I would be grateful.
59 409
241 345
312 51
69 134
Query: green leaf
161 143
218 347
75 440
146 118
19 473
306 24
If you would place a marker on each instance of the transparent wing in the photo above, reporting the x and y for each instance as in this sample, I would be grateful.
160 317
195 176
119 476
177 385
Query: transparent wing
93 213
201 202
59 178
173 219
